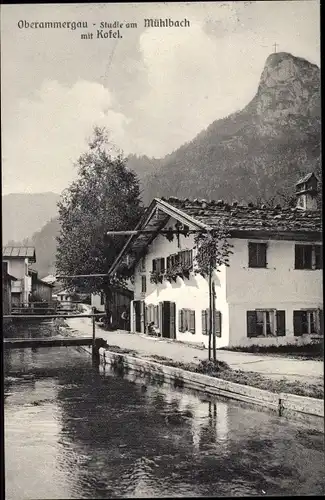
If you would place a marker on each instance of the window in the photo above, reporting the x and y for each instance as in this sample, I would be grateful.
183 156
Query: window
308 257
308 321
150 313
264 323
143 284
186 320
172 260
257 254
158 265
4 267
102 298
143 265
186 258
206 322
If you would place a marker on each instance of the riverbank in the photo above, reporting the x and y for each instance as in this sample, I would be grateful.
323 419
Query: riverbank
297 377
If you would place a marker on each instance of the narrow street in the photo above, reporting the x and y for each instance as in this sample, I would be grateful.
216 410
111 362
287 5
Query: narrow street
272 366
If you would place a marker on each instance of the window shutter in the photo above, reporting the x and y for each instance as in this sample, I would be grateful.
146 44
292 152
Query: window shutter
252 255
192 321
262 247
217 323
181 320
162 265
251 324
281 323
168 263
297 323
321 322
172 320
208 321
156 316
204 322
146 316
318 257
161 320
154 265
299 257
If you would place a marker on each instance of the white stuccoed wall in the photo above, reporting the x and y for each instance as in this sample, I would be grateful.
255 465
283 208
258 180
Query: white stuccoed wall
95 302
190 293
18 268
280 286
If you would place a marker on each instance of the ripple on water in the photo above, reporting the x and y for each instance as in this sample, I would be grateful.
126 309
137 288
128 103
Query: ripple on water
74 433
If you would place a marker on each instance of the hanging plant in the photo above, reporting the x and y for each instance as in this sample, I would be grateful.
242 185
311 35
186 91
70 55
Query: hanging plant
156 277
169 235
180 229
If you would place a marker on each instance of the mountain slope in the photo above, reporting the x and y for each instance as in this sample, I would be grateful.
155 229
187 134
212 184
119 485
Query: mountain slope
45 243
256 153
23 214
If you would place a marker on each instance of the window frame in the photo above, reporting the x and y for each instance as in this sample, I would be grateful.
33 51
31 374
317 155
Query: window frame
257 255
277 322
205 316
186 320
143 283
142 266
159 265
317 320
316 260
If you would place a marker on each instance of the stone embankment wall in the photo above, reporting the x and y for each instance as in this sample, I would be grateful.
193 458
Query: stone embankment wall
308 410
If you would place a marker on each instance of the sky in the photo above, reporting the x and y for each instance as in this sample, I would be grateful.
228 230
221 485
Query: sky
153 89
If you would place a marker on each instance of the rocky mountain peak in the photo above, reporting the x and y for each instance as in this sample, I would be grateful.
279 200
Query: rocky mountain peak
288 86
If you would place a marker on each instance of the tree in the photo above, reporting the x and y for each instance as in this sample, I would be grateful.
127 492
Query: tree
105 196
213 251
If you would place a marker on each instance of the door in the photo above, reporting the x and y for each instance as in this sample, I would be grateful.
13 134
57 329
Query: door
139 315
168 324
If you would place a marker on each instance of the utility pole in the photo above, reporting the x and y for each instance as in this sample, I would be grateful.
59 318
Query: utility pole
275 45
94 353
210 307
214 347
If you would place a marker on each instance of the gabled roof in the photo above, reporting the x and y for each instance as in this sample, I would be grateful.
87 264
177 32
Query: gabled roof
8 277
242 221
44 283
19 253
49 279
306 178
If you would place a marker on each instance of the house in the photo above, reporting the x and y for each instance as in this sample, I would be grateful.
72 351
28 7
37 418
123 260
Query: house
41 290
50 279
7 280
19 260
271 293
120 301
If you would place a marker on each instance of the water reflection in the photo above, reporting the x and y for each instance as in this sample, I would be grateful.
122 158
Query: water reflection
74 432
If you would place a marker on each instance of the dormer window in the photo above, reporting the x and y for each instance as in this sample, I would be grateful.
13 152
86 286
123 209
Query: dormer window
306 192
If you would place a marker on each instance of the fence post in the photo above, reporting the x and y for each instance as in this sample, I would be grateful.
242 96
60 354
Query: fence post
94 332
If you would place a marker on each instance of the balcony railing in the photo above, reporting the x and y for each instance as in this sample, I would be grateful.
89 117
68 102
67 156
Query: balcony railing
16 286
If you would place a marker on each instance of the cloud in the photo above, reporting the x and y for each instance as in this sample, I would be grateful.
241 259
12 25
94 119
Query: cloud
46 135
212 69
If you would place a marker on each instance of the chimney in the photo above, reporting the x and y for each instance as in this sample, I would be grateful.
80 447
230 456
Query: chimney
306 192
